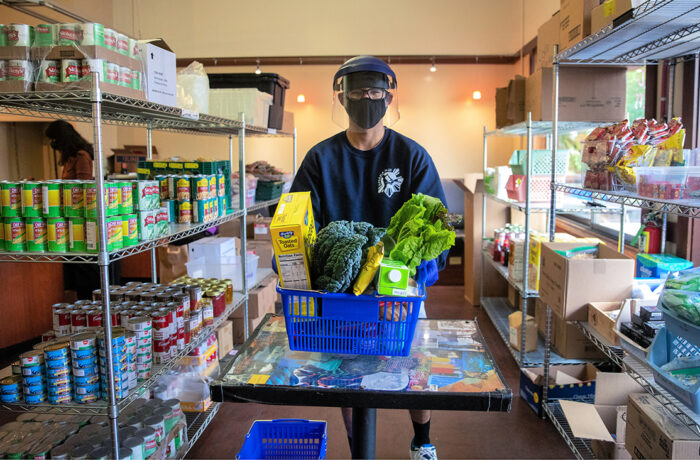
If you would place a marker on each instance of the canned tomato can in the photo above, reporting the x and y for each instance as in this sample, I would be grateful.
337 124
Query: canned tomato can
11 385
51 199
111 73
35 234
136 79
3 63
94 318
11 197
19 34
15 234
67 34
46 35
182 188
76 235
122 44
70 70
57 234
110 39
114 233
20 70
48 71
73 199
78 320
31 199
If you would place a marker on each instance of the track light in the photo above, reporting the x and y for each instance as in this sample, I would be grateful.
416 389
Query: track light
432 65
257 68
476 95
301 99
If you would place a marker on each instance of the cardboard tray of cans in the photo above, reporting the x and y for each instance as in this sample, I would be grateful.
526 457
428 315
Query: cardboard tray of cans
86 85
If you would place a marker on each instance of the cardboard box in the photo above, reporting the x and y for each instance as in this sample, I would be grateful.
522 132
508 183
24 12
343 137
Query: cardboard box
652 432
224 338
23 53
599 317
261 229
159 74
610 10
547 37
261 301
515 321
516 301
585 94
516 100
567 340
568 285
575 382
574 21
502 107
171 262
239 332
262 249
293 233
288 122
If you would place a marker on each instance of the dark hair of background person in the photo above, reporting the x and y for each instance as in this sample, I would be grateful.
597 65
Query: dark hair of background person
66 140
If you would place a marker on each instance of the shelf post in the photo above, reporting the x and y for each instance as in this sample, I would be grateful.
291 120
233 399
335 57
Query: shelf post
294 152
483 220
149 156
103 256
526 242
555 141
242 196
621 235
671 88
547 355
664 228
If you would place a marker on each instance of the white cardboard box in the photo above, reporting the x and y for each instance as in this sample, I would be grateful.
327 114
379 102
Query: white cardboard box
160 76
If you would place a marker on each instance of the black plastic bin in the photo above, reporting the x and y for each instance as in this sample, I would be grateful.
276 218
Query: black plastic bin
270 83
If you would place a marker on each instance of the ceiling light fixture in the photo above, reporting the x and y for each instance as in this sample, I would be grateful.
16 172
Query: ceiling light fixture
257 69
476 95
301 99
432 65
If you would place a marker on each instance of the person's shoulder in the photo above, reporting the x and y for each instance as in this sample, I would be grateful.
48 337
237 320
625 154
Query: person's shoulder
406 144
83 153
329 144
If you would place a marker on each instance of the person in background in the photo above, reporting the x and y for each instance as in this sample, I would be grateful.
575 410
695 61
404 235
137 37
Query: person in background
366 172
76 153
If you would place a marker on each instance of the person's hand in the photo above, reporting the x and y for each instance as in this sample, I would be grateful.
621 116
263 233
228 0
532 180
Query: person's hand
427 272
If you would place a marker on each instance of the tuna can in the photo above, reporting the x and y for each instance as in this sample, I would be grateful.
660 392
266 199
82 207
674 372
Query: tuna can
57 351
114 233
94 318
73 199
125 76
59 381
127 203
31 199
67 34
83 342
78 320
11 194
58 363
85 372
117 338
111 73
150 443
60 390
200 187
32 380
184 212
51 199
11 385
15 234
130 230
85 363
110 39
31 358
57 373
37 389
48 71
182 188
35 399
46 35
84 399
35 234
86 380
70 70
57 234
59 399
93 388
20 70
84 353
19 34
113 192
11 398
76 234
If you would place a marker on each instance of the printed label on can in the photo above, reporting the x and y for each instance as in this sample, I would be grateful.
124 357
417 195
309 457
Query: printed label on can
11 199
70 70
183 189
90 201
48 71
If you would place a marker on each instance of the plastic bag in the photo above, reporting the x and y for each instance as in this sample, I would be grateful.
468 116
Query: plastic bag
193 88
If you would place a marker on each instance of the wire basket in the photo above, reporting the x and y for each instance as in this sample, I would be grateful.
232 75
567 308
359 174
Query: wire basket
350 324
285 439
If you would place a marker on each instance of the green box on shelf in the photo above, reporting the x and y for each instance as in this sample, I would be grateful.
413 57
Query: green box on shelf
541 162
267 190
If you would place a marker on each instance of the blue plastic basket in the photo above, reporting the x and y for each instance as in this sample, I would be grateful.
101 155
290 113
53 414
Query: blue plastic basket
665 348
285 439
350 324
681 328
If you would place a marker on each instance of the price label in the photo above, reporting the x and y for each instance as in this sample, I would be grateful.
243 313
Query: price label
190 114
191 165
160 165
258 379
175 165
143 171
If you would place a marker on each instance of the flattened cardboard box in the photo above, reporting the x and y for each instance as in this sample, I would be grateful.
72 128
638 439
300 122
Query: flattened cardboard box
575 382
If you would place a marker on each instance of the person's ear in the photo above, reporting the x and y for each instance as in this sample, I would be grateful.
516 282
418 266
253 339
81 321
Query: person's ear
341 98
389 97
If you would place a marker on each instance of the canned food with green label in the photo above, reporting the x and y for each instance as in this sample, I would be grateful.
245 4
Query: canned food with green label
51 199
15 234
31 199
114 233
35 234
58 234
213 186
113 192
76 235
2 232
91 241
11 194
130 230
200 187
126 206
74 199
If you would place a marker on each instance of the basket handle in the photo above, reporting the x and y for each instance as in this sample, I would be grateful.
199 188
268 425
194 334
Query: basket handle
294 420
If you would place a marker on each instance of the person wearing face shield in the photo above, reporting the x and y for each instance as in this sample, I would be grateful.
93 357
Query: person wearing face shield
366 172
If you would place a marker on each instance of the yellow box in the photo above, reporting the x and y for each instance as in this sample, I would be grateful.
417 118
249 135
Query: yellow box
293 233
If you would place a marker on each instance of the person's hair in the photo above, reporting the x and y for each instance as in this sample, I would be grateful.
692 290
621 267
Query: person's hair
66 140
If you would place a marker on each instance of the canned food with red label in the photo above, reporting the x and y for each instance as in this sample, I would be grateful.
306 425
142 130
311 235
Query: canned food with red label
78 320
139 324
207 312
94 318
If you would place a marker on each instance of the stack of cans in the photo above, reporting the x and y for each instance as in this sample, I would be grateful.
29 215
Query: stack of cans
119 359
58 372
11 389
33 376
130 343
86 377
142 327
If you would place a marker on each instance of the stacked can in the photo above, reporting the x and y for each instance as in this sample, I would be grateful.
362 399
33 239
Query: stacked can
142 327
61 318
58 372
11 389
119 360
33 376
86 377
131 356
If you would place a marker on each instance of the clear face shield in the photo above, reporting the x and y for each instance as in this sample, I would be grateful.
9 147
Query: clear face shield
361 100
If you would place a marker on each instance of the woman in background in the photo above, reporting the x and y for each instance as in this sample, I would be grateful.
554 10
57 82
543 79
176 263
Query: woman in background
76 152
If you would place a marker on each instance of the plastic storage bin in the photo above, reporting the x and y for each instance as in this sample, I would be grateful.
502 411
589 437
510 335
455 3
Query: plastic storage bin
270 83
267 190
540 188
668 183
350 324
230 102
227 267
212 247
681 328
541 162
665 348
285 439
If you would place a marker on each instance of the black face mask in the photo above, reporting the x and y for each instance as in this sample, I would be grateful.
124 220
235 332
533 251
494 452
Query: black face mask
366 112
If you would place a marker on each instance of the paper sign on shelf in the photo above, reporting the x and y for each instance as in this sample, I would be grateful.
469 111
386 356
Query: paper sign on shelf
190 114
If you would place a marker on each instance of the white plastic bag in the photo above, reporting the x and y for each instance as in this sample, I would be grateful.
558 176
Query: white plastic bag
193 88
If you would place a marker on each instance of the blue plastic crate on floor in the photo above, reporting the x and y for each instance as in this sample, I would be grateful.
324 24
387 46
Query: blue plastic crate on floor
285 439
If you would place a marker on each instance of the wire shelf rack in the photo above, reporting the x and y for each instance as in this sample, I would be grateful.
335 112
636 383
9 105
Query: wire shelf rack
581 448
196 424
542 128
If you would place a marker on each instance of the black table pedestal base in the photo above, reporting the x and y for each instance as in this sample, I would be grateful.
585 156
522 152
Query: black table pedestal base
364 432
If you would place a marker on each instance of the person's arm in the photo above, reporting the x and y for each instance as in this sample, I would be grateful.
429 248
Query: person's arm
83 166
307 179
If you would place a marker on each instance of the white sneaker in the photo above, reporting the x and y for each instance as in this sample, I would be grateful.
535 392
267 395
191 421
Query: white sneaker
424 452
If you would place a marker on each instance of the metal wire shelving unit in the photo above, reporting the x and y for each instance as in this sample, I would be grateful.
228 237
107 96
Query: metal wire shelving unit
99 108
581 448
653 31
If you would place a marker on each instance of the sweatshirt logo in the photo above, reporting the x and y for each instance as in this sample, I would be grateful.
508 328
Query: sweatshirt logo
389 181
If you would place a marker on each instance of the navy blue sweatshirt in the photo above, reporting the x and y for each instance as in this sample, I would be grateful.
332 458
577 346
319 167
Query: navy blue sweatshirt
370 186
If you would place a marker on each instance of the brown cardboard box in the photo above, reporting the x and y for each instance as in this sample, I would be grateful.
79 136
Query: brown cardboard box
262 249
261 301
585 94
233 228
261 229
224 338
516 301
288 122
516 100
514 323
547 37
652 432
568 285
567 340
610 10
86 84
599 318
15 52
575 21
16 86
502 107
171 262
238 330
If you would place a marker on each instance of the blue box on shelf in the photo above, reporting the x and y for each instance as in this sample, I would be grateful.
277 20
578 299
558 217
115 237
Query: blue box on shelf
659 265
665 348
572 381
285 438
